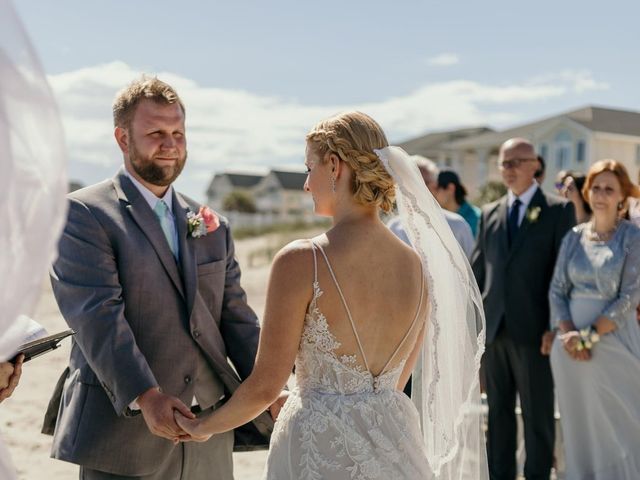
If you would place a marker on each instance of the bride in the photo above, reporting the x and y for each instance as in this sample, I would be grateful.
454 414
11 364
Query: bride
355 310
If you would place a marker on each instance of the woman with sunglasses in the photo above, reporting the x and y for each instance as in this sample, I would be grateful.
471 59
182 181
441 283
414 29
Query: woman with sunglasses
571 189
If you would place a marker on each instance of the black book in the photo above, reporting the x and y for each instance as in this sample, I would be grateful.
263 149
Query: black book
42 345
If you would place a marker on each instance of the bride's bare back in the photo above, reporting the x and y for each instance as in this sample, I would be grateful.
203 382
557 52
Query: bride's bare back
381 280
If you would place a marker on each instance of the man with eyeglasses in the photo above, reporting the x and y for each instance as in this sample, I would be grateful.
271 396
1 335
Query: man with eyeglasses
513 261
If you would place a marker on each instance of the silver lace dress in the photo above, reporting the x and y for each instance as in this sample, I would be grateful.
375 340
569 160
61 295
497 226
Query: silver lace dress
599 399
342 422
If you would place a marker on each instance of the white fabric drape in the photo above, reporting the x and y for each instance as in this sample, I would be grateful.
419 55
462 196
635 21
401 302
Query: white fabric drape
32 175
446 389
32 186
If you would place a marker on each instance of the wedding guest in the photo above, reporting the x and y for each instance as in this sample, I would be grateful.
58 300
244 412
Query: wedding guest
541 171
452 196
634 208
573 185
596 356
513 261
461 230
559 183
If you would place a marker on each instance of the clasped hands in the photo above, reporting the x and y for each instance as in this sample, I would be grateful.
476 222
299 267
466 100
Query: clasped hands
570 337
167 417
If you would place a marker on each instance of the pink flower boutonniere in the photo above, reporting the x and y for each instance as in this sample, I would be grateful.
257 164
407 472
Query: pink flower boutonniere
203 222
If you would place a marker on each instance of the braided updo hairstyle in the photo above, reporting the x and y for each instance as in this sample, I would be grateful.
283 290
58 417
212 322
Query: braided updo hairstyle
353 136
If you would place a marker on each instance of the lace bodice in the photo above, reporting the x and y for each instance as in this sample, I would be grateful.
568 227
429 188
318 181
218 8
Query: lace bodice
320 369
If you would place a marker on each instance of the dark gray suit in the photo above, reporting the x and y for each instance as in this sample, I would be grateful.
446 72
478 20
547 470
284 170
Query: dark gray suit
514 281
144 320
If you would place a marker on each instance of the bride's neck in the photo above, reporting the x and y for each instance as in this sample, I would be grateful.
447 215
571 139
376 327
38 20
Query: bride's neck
356 214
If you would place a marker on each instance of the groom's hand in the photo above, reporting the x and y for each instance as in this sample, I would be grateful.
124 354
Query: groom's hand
157 410
275 408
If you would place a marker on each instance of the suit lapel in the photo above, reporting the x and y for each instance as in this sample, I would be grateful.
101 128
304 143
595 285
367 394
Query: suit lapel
503 236
139 210
536 201
187 254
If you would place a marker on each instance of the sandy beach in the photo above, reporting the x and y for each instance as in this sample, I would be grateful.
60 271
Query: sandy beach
21 415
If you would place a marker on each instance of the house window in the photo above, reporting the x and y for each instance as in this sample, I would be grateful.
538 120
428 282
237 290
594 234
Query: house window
562 149
544 151
562 157
580 151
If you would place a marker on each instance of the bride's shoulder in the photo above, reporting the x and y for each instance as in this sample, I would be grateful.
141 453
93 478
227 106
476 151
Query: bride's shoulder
295 259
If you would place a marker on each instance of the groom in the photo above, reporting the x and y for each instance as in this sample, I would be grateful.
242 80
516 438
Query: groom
513 262
156 302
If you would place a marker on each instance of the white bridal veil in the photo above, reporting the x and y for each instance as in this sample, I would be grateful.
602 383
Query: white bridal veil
447 392
32 184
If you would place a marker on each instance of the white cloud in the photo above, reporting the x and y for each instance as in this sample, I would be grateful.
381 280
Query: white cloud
233 128
444 60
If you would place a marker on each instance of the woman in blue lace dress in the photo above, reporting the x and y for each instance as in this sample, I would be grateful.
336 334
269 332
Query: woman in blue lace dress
595 288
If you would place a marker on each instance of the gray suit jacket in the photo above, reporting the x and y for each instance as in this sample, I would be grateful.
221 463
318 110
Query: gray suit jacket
514 281
142 320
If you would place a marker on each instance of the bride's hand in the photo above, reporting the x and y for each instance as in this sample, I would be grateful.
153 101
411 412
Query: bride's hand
194 427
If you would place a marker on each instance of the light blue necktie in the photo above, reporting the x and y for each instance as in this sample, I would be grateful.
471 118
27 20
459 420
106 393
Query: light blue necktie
162 211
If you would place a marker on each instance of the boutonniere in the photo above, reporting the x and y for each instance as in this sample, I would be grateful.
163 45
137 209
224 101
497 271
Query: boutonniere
533 214
203 222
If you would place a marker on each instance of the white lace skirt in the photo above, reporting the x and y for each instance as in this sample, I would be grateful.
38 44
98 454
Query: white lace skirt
353 437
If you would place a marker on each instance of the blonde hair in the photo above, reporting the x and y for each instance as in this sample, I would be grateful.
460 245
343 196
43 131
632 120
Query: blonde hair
127 99
353 136
627 187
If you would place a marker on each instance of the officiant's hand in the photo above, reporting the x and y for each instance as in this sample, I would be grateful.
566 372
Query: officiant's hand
276 406
157 410
9 377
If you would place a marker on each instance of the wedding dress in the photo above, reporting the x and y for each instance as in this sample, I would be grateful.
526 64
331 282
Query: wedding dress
343 422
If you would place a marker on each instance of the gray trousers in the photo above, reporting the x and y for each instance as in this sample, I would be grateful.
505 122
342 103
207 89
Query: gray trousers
210 460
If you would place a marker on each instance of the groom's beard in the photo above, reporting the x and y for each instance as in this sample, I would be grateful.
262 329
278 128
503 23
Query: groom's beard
152 173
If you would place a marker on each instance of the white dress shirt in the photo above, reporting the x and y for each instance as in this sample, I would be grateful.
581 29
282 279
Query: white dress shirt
152 200
525 198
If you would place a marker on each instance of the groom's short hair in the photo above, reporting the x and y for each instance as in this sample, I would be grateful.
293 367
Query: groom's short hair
127 99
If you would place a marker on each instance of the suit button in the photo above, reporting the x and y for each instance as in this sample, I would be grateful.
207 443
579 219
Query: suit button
196 333
187 379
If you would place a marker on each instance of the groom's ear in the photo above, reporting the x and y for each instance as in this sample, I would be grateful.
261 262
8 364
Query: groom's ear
122 137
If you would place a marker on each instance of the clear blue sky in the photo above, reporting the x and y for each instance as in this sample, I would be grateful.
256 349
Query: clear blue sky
259 74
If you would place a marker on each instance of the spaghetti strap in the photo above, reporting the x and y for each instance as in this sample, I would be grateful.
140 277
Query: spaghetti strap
316 287
413 323
346 307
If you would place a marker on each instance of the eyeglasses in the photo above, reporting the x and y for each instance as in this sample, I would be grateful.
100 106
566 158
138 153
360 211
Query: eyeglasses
513 163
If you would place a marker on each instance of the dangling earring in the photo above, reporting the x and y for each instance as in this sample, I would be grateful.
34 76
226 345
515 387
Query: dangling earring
620 205
333 184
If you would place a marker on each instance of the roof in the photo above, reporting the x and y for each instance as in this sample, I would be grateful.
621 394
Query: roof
243 180
290 180
608 120
597 119
431 141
